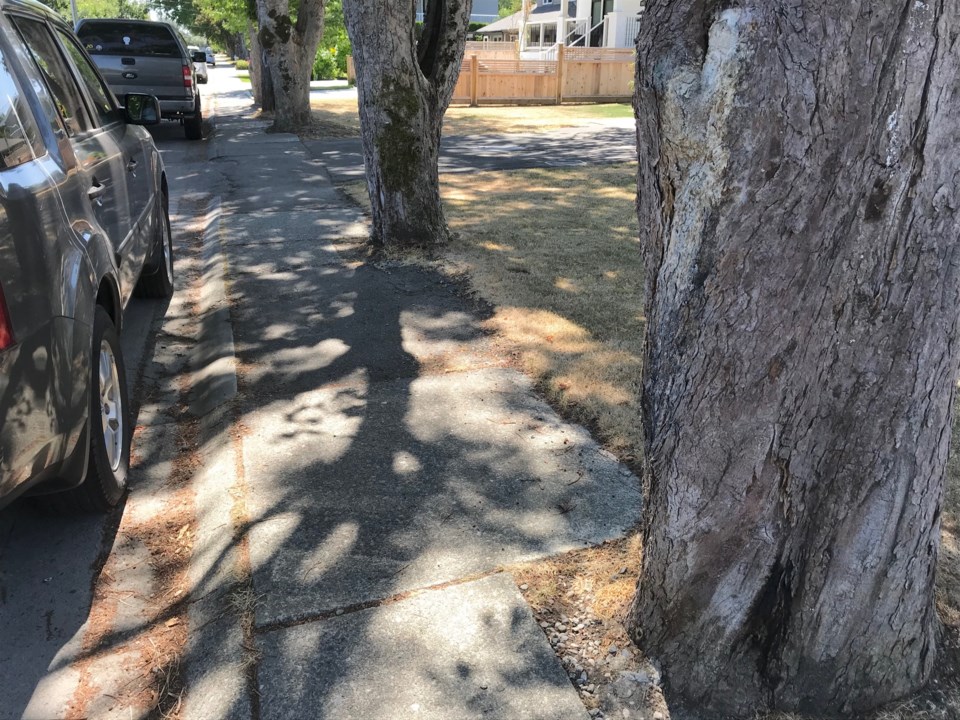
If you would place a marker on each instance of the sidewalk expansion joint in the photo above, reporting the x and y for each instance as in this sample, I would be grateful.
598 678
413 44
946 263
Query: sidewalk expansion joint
368 604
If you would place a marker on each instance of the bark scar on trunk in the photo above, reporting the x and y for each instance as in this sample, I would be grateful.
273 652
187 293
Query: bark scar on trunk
697 102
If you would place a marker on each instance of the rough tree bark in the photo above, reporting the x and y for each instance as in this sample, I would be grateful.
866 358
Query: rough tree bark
798 194
404 86
260 81
289 47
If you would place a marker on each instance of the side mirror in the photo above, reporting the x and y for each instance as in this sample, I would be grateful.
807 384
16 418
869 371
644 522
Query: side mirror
199 56
141 109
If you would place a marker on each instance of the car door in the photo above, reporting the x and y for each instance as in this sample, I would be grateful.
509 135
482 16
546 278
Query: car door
134 142
43 374
100 159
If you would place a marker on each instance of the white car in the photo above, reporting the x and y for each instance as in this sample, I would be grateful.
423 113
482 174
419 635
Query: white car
199 68
211 60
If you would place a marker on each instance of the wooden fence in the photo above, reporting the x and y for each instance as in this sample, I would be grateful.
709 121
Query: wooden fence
577 75
598 74
492 49
493 75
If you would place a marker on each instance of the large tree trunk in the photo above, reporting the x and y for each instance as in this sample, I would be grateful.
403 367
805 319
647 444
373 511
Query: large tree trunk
798 194
259 80
289 48
404 87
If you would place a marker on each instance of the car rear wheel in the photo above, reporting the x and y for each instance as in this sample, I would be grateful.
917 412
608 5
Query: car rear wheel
157 281
109 427
193 127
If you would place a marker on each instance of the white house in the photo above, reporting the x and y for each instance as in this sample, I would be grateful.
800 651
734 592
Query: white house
575 23
484 11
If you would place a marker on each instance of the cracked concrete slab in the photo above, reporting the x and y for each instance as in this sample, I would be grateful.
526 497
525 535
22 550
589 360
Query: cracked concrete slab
468 651
361 490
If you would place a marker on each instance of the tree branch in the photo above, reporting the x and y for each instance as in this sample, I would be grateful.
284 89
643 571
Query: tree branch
441 45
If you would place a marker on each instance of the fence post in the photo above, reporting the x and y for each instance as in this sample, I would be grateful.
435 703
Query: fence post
560 56
474 79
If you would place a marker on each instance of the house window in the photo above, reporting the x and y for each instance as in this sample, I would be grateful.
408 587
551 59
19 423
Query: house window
533 35
550 34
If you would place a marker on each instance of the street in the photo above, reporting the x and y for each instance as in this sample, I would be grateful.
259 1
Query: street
332 464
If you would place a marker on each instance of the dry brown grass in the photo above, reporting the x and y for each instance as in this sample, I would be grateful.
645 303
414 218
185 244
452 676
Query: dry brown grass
338 117
555 252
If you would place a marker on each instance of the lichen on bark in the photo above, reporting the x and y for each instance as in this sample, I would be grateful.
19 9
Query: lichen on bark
398 143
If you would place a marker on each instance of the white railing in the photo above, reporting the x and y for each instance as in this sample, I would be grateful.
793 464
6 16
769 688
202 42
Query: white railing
540 54
632 29
577 32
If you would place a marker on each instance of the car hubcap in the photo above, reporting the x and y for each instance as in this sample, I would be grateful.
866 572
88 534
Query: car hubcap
111 406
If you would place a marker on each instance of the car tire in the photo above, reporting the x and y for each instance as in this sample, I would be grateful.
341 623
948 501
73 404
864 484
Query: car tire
109 428
193 126
157 281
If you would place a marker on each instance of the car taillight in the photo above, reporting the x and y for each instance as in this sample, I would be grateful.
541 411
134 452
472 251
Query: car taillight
6 329
187 76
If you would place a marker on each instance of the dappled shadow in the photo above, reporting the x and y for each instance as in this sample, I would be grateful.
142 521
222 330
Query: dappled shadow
386 448
561 148
49 566
371 469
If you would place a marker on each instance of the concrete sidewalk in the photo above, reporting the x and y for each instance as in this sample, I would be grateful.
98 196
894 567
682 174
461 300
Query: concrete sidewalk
378 465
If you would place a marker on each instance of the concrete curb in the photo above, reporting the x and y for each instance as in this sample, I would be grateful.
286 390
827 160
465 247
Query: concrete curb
215 674
214 379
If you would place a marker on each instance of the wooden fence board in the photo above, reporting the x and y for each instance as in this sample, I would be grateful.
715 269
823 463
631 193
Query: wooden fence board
587 74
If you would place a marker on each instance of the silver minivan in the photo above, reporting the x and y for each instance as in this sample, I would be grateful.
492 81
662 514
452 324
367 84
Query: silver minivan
140 56
83 224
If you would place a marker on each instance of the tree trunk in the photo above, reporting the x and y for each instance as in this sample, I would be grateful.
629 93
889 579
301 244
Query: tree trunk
259 80
404 87
798 195
289 48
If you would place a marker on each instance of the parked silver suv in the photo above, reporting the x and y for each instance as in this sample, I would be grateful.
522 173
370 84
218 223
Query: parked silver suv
138 56
83 221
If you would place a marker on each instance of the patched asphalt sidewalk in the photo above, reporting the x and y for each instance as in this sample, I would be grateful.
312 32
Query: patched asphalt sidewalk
379 463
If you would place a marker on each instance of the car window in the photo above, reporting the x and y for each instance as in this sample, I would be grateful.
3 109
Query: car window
98 91
55 73
20 139
125 38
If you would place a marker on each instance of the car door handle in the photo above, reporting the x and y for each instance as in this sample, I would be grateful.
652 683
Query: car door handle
132 165
96 191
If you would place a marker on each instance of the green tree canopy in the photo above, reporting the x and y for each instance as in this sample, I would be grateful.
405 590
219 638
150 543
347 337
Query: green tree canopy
509 7
101 9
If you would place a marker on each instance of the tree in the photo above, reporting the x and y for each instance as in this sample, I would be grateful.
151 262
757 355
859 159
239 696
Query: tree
219 21
508 7
799 198
101 9
405 81
288 37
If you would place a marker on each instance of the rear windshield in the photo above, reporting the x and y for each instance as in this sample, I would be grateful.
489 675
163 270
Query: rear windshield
120 38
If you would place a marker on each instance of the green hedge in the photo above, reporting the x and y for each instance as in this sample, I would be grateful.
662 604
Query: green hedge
331 62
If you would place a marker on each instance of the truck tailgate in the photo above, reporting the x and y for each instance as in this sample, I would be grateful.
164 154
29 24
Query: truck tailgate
159 76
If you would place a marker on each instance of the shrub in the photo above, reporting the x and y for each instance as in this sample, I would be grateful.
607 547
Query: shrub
243 65
331 62
325 64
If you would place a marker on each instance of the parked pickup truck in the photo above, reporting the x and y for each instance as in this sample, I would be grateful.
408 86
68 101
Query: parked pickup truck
139 56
